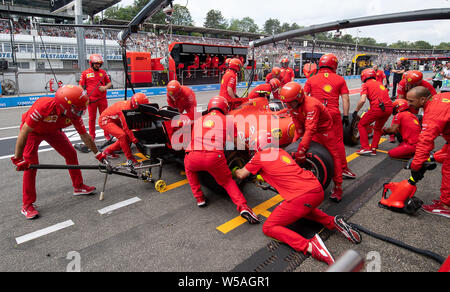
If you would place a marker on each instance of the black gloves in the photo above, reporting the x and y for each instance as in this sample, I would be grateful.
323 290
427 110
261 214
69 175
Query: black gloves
355 115
345 121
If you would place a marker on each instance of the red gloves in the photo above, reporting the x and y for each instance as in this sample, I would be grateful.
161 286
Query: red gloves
20 163
100 156
300 155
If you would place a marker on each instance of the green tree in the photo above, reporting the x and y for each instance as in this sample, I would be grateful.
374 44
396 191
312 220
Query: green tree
443 46
182 16
215 19
246 24
272 26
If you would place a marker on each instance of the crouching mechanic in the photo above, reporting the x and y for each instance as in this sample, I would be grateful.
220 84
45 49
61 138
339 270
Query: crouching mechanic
44 121
113 121
302 194
407 125
436 122
206 153
379 112
312 122
182 98
265 89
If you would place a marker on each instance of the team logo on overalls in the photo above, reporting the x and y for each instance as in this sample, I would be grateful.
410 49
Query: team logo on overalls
327 88
286 159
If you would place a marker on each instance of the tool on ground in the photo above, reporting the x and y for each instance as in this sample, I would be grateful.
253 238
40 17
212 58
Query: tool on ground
142 172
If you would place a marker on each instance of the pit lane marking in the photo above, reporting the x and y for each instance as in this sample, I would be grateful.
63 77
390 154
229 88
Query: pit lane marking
43 232
119 205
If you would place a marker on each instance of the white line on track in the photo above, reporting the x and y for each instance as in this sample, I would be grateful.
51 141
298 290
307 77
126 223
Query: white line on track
43 232
119 205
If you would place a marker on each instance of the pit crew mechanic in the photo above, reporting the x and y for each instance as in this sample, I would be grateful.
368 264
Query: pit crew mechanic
96 82
379 111
113 121
436 121
182 98
302 194
408 126
312 122
44 121
327 86
206 153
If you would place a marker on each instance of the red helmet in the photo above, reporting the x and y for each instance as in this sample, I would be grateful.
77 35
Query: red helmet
72 99
137 99
227 62
284 62
95 58
329 61
275 83
400 105
173 88
235 64
276 71
292 91
261 141
413 77
368 73
218 103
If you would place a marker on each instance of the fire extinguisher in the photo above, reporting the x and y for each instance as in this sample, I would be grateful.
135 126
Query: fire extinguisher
51 83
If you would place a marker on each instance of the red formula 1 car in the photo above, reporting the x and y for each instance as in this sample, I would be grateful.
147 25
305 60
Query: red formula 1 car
157 128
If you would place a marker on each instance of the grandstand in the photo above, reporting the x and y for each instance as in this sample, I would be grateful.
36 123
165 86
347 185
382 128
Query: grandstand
37 57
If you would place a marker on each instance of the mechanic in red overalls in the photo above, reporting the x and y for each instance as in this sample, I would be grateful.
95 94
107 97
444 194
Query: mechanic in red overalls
413 79
407 124
44 121
379 111
194 66
302 194
381 77
327 86
312 122
206 153
229 81
215 65
436 122
95 81
182 98
206 65
224 66
276 71
265 89
113 121
287 73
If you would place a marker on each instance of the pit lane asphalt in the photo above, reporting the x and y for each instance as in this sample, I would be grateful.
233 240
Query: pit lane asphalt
168 232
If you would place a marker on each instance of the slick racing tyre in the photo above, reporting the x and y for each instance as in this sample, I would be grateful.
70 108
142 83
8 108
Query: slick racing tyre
235 159
318 160
351 132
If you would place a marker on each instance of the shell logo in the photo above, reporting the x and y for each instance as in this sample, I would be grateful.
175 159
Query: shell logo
208 124
416 122
327 88
382 87
286 159
409 79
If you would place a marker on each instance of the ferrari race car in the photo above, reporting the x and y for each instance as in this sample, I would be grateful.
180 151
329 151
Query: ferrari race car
157 128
